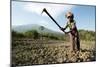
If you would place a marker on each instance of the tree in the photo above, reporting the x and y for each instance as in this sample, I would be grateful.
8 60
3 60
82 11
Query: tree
17 35
32 33
36 34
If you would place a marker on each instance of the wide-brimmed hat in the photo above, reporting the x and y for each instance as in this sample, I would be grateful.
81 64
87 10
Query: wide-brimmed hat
69 14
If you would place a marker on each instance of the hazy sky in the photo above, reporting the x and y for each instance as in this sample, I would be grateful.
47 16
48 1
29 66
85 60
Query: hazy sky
30 13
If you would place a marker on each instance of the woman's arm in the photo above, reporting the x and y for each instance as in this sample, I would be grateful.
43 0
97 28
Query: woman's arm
65 27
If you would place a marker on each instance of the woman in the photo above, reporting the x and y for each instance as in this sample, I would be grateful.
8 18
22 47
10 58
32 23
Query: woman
73 33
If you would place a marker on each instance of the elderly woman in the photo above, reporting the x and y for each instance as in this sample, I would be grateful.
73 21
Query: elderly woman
73 33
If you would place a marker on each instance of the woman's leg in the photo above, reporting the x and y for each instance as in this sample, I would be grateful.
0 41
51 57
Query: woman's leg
78 43
72 42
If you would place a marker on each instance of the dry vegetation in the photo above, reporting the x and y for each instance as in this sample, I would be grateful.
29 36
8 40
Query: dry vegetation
50 52
34 48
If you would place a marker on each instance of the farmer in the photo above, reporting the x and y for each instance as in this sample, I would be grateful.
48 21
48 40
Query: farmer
73 33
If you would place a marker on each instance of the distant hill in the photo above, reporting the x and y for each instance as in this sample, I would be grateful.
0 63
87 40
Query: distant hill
40 29
84 34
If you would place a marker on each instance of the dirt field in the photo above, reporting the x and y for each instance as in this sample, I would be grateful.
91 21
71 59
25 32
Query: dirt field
50 52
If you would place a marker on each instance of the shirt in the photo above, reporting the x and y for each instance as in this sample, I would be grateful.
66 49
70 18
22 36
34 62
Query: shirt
70 25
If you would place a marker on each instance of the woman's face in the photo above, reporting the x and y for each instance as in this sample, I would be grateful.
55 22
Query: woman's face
70 18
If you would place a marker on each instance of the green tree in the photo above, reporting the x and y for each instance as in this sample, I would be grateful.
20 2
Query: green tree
32 33
36 34
17 35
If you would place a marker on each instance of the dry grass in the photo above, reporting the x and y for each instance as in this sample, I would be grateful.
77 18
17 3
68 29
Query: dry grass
52 53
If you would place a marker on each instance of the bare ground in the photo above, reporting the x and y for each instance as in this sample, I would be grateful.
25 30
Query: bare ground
52 52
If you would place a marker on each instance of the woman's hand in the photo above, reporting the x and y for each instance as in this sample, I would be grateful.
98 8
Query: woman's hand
62 29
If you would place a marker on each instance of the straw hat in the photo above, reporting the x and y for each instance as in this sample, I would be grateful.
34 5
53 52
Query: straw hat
69 14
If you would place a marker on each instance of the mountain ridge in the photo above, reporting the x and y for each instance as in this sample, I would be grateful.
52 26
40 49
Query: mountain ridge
39 28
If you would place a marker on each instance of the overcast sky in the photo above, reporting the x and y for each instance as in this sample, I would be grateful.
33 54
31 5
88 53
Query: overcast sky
24 13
